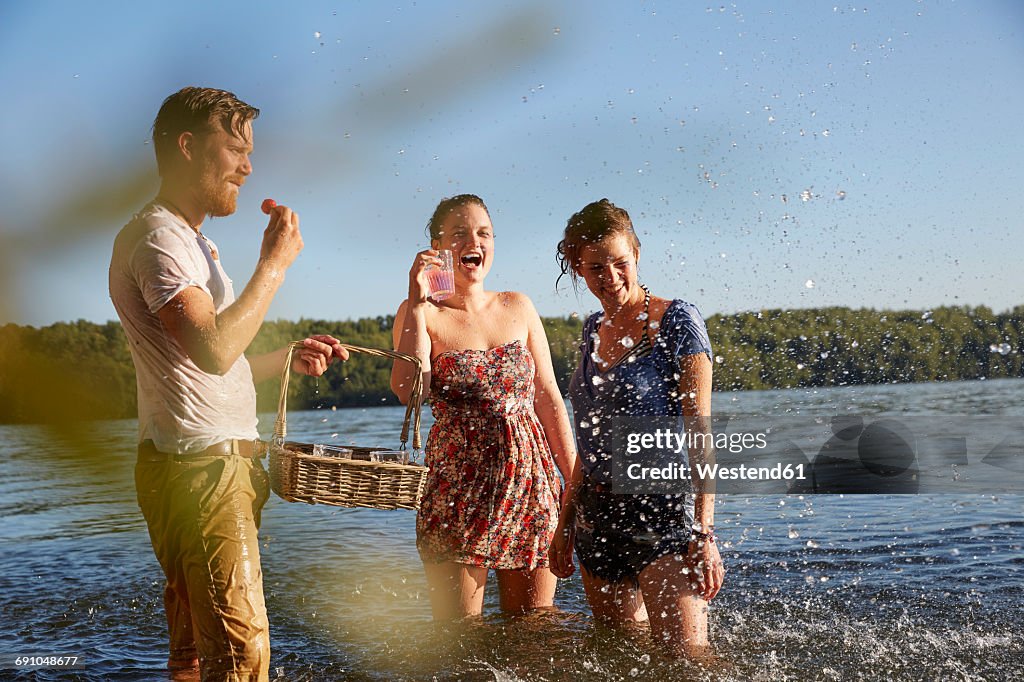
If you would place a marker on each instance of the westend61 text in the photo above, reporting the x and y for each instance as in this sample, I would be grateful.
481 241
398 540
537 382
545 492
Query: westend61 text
712 472
667 439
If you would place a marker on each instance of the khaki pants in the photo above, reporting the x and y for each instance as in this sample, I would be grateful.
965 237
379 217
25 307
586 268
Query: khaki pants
203 516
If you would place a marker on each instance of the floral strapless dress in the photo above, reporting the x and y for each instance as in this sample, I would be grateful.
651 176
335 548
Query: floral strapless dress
492 493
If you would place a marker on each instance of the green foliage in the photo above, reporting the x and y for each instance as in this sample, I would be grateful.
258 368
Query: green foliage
67 371
841 346
81 370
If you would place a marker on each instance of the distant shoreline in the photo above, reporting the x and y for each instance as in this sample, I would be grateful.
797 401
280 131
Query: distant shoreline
83 370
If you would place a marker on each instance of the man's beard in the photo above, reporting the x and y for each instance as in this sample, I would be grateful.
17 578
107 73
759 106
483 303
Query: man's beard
220 198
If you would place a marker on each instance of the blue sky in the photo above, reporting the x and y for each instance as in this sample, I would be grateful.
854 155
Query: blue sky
871 149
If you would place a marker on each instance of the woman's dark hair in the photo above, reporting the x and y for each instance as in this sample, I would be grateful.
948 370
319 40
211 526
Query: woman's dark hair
593 223
446 207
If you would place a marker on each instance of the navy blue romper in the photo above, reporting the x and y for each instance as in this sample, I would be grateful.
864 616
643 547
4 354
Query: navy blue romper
617 536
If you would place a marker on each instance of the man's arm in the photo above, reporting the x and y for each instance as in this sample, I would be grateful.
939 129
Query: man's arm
215 341
312 359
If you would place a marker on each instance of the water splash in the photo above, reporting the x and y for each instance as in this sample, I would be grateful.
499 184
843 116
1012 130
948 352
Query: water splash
1001 348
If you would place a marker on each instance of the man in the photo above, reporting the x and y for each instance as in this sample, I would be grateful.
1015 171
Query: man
199 479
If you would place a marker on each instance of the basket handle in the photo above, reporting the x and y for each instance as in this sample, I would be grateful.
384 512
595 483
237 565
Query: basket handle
412 409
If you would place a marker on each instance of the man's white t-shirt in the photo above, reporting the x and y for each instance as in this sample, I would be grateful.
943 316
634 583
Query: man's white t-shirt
181 408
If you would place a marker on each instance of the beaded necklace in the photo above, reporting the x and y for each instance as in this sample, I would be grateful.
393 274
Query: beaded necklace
645 316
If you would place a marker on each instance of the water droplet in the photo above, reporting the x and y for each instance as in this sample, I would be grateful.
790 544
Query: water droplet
627 341
799 365
596 380
805 195
793 534
824 355
642 316
841 194
574 315
654 325
557 31
809 284
1002 348
825 132
855 344
719 359
316 34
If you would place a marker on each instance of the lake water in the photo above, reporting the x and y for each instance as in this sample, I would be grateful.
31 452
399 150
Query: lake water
822 587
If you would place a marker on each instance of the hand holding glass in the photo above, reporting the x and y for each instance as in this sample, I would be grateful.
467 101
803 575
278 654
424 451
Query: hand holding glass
441 280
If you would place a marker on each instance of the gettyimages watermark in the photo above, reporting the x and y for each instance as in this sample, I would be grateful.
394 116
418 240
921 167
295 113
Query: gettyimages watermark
847 454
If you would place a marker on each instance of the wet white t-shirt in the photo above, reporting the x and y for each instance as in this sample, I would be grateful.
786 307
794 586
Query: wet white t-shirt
181 408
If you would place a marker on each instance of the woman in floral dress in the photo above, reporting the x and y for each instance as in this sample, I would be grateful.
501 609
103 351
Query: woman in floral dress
492 494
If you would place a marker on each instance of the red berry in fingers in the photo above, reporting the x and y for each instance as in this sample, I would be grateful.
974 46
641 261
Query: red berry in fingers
268 205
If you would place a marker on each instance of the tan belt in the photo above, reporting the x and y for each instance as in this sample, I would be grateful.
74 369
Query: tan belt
227 448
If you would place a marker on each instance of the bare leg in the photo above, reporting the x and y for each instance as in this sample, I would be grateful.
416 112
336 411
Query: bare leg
679 616
613 603
524 590
456 590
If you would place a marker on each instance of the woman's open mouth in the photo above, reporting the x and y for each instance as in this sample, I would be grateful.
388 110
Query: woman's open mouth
471 260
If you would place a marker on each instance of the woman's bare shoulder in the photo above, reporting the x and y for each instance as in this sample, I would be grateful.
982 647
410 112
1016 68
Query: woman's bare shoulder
659 306
515 300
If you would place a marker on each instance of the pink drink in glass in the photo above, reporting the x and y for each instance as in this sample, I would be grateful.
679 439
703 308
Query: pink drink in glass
442 280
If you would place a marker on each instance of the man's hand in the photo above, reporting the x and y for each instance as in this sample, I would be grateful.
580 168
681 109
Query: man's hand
281 240
316 355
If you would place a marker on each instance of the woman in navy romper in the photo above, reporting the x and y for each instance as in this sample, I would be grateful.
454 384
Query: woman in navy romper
643 557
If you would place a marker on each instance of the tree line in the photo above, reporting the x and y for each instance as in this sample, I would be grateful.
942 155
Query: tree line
83 370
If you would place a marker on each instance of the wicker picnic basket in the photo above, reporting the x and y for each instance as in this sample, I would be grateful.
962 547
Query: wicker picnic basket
299 475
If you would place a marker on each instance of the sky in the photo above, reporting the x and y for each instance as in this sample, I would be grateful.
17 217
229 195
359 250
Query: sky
771 154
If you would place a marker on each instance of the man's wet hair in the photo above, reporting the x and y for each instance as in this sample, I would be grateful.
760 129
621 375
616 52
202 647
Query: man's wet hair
194 110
